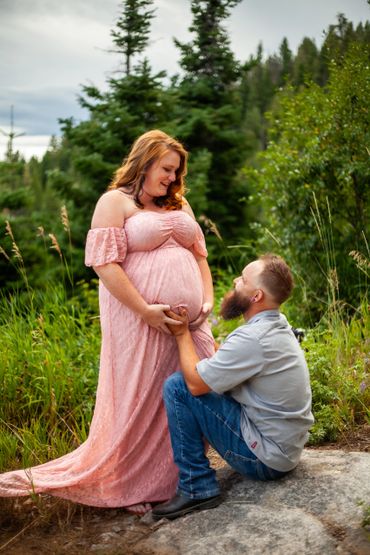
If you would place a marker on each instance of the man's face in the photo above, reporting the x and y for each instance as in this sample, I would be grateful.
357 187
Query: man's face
239 300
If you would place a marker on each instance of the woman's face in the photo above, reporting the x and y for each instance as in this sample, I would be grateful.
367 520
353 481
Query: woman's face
161 174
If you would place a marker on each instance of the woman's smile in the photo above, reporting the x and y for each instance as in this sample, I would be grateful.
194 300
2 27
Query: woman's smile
161 174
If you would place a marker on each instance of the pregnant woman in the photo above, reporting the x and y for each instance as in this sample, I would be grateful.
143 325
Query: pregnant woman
150 256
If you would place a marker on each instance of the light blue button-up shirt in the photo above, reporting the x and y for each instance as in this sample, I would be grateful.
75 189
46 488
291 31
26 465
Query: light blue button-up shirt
262 366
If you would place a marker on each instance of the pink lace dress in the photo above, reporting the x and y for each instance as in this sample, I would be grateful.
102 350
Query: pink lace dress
127 458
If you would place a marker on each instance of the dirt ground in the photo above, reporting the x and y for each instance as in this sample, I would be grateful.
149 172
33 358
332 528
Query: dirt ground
51 526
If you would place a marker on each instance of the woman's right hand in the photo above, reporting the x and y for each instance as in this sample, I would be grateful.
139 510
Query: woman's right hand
156 317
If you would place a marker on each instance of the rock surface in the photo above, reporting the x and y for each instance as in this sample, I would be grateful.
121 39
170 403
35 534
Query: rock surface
316 510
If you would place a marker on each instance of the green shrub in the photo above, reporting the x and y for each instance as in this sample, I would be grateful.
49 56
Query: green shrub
338 356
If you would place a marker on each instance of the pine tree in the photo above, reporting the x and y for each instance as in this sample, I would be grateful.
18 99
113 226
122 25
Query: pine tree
286 59
209 118
208 62
337 40
131 35
306 63
260 81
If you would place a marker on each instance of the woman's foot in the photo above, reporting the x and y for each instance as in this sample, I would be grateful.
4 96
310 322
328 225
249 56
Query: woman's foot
139 509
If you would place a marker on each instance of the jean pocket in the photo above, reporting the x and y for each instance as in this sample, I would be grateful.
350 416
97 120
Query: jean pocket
245 465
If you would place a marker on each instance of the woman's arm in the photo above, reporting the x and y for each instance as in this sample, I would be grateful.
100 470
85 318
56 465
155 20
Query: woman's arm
208 293
206 279
111 211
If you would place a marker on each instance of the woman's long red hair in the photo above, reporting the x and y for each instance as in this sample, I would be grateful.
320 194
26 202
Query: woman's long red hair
147 149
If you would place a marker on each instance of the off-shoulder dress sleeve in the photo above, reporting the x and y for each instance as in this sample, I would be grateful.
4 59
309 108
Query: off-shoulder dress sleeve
199 246
105 245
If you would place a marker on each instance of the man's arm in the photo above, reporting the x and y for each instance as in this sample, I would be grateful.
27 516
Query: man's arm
188 355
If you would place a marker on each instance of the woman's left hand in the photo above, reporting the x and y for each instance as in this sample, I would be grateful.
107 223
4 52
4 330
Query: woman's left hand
204 313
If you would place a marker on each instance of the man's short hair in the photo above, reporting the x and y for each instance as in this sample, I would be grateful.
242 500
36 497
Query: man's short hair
276 277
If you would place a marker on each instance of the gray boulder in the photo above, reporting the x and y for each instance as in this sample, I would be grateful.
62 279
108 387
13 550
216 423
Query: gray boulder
315 510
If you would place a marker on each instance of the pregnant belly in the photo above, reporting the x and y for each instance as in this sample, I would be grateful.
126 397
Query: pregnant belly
167 276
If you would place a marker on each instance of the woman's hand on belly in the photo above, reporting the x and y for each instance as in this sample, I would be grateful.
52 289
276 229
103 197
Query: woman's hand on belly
204 313
156 317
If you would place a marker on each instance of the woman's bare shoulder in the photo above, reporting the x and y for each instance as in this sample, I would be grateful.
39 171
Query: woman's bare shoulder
112 208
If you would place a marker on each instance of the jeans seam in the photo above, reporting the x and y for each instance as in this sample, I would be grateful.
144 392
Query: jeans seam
230 452
180 429
257 464
206 493
219 417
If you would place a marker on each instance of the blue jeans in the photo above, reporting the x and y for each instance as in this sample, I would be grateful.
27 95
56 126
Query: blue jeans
215 418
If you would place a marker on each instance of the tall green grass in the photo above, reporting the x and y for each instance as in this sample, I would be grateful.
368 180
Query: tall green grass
338 356
338 347
48 363
48 374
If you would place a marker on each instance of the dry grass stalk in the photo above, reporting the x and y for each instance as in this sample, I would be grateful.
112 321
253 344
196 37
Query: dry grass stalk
4 253
361 260
211 226
333 279
15 248
363 263
64 218
55 244
9 230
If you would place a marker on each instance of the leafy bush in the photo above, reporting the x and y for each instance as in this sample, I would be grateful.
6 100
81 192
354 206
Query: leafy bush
338 357
316 163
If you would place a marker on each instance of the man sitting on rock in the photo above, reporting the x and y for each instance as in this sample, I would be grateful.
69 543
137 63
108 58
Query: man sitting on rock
251 400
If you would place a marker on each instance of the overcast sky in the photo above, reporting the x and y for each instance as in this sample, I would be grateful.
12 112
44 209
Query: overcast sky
49 48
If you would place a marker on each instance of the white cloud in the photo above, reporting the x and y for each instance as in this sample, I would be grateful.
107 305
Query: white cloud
62 51
28 146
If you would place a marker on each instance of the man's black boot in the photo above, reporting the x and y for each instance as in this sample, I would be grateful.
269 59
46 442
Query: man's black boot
180 505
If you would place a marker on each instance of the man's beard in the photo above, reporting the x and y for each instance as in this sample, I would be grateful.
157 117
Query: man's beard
234 305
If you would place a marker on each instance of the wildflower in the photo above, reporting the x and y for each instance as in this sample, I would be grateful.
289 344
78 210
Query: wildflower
214 320
363 386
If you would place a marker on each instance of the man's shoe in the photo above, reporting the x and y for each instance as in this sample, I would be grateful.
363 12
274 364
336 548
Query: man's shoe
180 505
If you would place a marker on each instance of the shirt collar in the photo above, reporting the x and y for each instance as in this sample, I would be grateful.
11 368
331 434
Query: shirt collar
264 315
